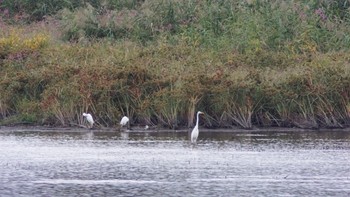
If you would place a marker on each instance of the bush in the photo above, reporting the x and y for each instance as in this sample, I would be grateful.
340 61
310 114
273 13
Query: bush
13 46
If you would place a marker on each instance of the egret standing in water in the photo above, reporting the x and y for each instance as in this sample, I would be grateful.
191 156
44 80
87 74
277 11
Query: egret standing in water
195 131
124 121
89 119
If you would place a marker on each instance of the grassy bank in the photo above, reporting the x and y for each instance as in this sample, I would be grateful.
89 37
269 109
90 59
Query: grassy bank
244 63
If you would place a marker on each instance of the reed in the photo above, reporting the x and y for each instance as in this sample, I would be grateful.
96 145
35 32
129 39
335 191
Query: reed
244 63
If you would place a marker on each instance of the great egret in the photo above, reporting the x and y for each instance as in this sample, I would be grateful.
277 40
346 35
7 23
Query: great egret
89 119
195 131
124 121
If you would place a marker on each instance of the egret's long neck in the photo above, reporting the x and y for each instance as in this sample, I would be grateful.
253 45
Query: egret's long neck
197 120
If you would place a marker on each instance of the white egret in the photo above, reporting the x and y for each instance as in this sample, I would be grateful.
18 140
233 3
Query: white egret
89 119
124 121
195 131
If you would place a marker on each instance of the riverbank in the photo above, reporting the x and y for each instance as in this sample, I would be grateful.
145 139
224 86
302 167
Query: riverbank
250 64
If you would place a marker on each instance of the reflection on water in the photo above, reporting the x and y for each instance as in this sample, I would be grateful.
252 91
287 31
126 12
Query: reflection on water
94 163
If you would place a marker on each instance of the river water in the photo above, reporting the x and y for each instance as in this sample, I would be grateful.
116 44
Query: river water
94 163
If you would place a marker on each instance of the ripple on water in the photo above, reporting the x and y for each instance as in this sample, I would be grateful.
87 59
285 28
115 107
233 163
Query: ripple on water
78 164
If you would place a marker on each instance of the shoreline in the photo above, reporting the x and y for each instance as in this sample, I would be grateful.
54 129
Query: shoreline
24 128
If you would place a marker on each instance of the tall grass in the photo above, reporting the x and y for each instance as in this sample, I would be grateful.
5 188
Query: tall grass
244 63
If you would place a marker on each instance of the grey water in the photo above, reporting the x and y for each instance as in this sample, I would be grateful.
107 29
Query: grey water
95 163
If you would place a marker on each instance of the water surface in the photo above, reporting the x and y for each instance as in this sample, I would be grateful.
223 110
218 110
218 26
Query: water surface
97 163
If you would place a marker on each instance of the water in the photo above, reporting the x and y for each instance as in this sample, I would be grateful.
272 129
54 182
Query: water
166 164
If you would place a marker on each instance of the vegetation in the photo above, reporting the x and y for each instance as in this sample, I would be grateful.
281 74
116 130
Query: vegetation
244 63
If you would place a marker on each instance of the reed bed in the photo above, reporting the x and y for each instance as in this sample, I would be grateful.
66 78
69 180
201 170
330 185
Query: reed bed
244 63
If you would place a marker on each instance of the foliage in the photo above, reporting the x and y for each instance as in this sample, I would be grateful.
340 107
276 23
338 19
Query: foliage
244 63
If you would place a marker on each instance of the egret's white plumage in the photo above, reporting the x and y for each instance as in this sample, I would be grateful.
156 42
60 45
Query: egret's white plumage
89 119
195 131
124 121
